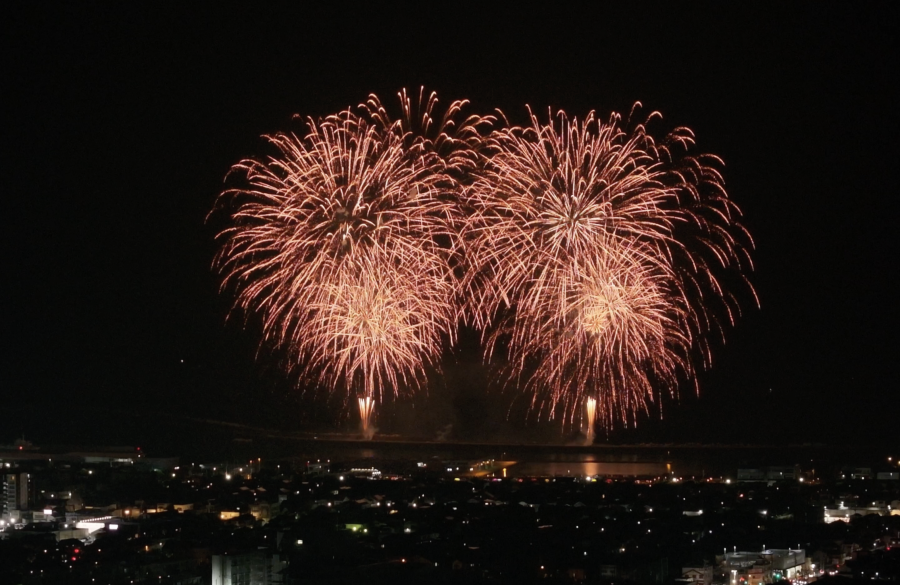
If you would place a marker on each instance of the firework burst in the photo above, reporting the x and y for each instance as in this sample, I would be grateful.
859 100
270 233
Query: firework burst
595 253
341 242
587 251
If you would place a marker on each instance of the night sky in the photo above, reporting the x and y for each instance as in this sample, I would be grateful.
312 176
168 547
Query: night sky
120 122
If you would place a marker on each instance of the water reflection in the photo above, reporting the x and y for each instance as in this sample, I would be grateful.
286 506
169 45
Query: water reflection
585 468
685 461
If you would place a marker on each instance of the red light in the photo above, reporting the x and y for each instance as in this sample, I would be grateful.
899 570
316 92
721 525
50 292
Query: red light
77 550
20 447
74 559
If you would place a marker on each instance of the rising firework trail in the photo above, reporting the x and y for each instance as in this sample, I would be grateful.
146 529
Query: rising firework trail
367 417
590 416
342 240
596 255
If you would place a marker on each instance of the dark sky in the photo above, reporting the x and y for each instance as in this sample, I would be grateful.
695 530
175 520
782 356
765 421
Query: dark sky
121 121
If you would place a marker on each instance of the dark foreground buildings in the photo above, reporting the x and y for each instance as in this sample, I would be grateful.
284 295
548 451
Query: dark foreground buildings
116 517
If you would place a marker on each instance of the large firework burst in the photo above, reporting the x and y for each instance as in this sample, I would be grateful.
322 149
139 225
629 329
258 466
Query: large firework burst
596 253
341 242
593 253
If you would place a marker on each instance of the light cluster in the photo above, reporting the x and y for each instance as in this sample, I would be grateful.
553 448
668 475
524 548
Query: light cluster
589 253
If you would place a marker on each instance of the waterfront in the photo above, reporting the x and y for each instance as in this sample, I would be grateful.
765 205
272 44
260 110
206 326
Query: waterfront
690 460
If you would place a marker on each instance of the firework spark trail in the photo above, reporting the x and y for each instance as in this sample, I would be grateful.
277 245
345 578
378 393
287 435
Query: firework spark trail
367 416
595 253
456 140
341 242
590 416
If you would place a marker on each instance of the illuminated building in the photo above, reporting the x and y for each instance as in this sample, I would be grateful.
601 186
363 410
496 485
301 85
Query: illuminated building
843 513
768 474
699 575
15 493
249 568
766 566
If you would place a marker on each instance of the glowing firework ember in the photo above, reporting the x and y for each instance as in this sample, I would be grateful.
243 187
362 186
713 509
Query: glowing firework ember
367 416
342 241
595 253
